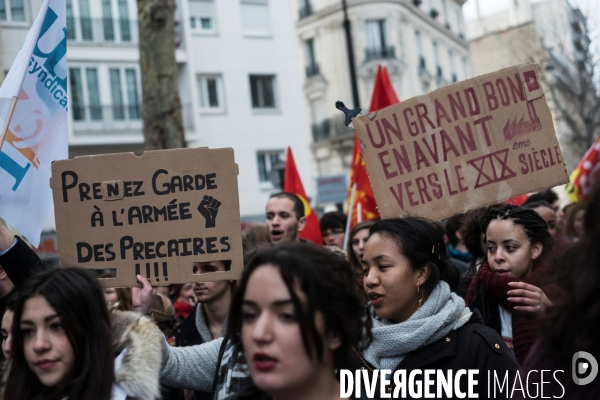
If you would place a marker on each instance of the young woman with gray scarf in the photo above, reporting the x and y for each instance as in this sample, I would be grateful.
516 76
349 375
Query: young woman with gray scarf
418 320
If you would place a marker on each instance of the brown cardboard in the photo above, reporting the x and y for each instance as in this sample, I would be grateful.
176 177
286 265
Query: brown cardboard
133 214
463 146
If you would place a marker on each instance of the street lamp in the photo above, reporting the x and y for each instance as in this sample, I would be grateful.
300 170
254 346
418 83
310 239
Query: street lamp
350 56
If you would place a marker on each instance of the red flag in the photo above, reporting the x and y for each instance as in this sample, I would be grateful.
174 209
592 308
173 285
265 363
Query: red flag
587 172
293 184
365 207
517 201
383 92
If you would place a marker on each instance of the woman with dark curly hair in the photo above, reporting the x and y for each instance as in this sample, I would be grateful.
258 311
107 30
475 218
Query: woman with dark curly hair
507 289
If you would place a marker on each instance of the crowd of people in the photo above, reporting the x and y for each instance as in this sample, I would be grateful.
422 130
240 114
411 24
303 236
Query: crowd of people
502 288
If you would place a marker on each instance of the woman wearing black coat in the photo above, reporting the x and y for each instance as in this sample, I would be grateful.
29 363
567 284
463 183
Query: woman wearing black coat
418 321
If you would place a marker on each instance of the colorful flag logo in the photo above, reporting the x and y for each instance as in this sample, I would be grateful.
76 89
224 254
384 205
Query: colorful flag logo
585 175
37 133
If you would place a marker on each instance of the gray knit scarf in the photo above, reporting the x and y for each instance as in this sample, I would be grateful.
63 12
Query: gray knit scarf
442 312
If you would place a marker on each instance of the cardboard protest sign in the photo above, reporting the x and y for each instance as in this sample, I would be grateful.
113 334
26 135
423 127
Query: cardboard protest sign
153 215
464 146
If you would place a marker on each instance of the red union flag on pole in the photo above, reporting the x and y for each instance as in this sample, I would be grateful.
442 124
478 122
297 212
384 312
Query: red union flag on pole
33 114
293 184
364 206
587 172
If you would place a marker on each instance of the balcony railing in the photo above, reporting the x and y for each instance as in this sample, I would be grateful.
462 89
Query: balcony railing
330 128
321 131
305 10
439 75
119 118
379 53
312 70
102 31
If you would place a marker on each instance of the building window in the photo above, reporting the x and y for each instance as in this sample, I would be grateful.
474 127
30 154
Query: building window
12 10
124 94
202 16
452 69
70 21
255 18
377 46
445 11
459 24
113 26
85 94
124 22
210 88
77 97
439 75
305 9
433 12
270 165
85 19
422 62
107 21
262 88
312 68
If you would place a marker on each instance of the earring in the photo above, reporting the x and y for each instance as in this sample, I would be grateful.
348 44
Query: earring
420 296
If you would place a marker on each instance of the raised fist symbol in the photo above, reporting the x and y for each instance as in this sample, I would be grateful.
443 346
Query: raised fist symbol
209 207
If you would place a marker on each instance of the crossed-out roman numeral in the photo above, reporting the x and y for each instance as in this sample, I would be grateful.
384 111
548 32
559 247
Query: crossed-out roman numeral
483 179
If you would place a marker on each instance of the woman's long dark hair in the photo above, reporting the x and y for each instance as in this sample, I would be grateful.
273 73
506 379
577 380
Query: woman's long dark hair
77 298
422 244
329 285
574 322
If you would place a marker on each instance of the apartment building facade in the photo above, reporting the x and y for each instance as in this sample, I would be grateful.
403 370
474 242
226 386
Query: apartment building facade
421 42
239 82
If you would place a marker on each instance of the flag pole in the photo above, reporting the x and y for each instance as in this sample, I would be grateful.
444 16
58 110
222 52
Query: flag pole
9 117
348 222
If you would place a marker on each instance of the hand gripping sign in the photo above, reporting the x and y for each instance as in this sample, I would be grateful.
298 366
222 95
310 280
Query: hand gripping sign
153 215
463 146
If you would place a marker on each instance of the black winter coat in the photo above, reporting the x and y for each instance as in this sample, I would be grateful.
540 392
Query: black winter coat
472 346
